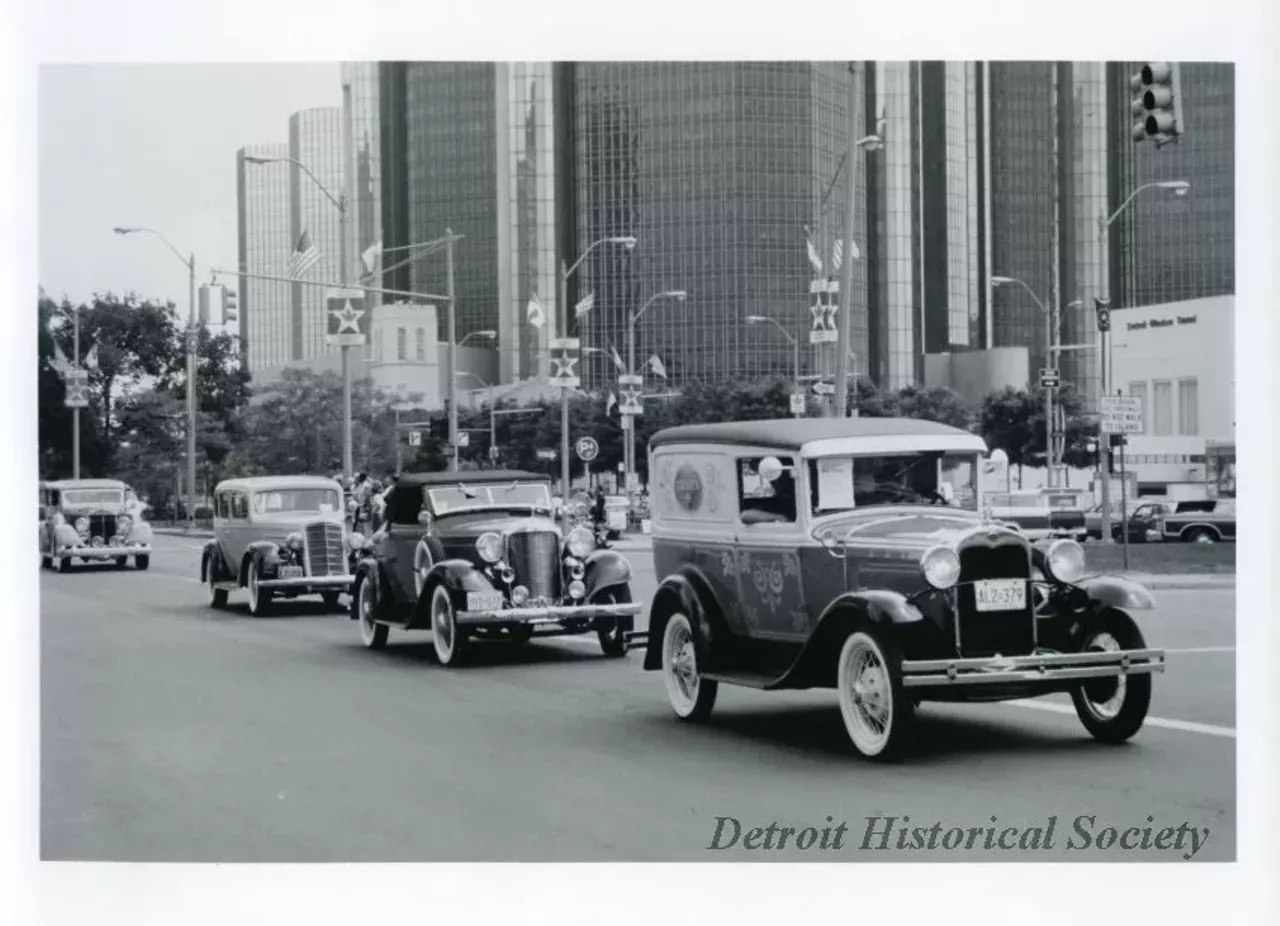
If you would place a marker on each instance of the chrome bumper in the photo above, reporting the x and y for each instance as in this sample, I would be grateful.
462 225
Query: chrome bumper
308 581
86 552
1046 667
554 615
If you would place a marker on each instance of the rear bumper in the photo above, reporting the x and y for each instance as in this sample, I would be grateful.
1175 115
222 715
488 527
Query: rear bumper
316 582
555 615
88 552
1045 667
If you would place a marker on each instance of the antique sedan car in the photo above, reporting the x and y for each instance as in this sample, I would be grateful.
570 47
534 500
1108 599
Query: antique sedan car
277 536
92 520
803 554
476 555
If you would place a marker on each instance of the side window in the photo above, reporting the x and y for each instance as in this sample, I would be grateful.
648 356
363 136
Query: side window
404 504
762 501
239 506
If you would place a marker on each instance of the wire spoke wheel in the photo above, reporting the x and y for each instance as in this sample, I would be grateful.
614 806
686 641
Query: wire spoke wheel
868 686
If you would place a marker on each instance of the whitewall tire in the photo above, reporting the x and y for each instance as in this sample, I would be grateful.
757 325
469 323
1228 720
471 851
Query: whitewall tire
692 697
259 598
445 635
869 687
372 634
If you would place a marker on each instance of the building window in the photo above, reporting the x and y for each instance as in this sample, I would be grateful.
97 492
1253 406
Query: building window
422 345
402 348
1139 390
1188 407
1162 408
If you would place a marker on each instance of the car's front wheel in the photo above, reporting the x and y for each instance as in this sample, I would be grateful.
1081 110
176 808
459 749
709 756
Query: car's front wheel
692 697
1113 709
259 598
869 685
445 636
613 640
142 561
372 634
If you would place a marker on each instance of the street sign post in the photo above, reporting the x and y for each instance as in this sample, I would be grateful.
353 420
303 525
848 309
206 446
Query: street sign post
1050 378
1121 414
464 439
77 386
415 438
545 454
588 449
797 403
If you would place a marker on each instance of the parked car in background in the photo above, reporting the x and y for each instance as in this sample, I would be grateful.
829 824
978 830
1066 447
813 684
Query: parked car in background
616 510
277 536
1044 513
477 555
93 521
1207 520
824 554
1143 521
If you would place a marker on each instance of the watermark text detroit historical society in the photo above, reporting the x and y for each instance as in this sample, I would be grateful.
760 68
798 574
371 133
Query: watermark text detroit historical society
1084 833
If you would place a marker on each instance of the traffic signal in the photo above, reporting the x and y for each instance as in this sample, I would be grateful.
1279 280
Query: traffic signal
230 306
1157 103
1103 308
440 429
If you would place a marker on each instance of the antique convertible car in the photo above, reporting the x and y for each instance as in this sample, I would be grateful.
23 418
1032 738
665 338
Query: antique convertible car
476 555
801 554
93 520
277 535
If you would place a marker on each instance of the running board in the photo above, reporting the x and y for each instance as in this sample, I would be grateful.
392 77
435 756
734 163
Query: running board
745 679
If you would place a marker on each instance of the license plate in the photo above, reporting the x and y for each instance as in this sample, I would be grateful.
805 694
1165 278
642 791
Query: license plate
291 572
484 601
1000 594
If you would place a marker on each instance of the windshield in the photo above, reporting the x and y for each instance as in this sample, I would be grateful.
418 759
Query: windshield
82 498
291 500
451 499
934 478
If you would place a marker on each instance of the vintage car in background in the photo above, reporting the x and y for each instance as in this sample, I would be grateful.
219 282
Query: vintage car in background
1144 517
277 536
94 521
616 511
476 555
1041 513
823 554
1206 520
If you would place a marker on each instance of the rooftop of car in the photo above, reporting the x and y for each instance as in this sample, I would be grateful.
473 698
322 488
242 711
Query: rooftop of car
253 483
85 484
468 477
794 433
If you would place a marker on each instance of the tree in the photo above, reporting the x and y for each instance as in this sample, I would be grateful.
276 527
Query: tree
1005 423
222 383
933 403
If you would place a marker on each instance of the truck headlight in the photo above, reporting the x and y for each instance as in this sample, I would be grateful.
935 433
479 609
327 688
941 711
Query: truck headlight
580 542
940 567
489 546
356 540
124 524
1065 561
82 525
294 541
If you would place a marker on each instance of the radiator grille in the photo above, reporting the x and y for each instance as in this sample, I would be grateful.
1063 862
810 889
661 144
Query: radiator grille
324 550
984 633
535 557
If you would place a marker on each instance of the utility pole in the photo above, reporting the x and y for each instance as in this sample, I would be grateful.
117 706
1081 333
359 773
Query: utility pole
1051 324
563 324
75 412
192 341
451 365
843 320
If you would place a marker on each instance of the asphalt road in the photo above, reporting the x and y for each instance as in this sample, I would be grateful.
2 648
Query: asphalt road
173 732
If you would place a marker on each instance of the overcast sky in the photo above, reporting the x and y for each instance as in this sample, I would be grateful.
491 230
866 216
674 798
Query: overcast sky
154 145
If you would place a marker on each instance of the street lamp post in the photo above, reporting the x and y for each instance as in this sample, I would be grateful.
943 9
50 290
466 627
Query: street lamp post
628 242
1050 321
1179 188
630 456
795 344
191 343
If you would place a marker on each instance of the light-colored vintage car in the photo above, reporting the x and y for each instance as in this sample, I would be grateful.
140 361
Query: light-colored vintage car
278 536
94 521
828 554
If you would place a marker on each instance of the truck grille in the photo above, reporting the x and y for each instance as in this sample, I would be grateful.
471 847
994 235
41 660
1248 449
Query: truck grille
984 633
535 557
324 550
1066 520
102 525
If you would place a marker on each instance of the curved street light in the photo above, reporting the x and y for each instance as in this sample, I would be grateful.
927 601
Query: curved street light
679 295
191 345
795 342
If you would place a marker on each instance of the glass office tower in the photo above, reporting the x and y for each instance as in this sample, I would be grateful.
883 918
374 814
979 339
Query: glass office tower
315 139
360 113
263 246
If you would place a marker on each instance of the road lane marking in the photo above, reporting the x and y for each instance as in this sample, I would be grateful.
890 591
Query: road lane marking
1186 726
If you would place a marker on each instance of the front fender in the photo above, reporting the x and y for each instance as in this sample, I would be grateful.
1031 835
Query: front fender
141 532
606 569
1117 592
816 664
688 593
368 569
66 535
207 558
265 553
459 576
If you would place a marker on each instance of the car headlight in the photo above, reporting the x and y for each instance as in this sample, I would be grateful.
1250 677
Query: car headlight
580 542
1065 561
489 546
82 525
356 540
941 567
123 525
294 541
577 590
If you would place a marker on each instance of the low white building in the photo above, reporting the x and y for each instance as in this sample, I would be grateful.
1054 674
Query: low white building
1179 358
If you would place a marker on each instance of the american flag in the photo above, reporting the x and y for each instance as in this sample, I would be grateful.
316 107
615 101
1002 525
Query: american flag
814 260
837 255
304 256
534 313
610 403
617 361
